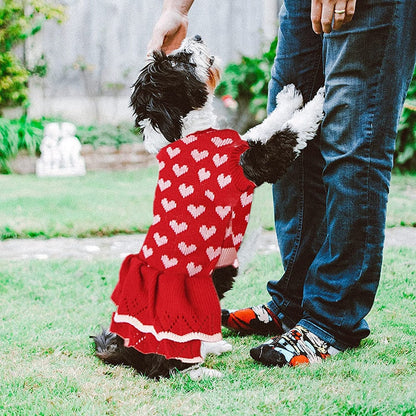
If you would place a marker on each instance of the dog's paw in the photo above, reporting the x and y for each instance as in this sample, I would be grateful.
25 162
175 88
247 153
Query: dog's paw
290 96
216 348
199 373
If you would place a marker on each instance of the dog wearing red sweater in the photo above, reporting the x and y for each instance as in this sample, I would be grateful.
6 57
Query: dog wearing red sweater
168 314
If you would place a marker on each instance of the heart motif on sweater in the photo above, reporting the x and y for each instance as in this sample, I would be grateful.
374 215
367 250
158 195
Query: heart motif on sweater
219 160
156 219
167 262
164 184
186 190
161 165
223 181
168 205
196 211
147 251
237 238
161 240
185 250
189 139
178 228
211 253
221 142
173 152
203 174
192 269
246 199
198 156
179 170
207 232
222 211
210 195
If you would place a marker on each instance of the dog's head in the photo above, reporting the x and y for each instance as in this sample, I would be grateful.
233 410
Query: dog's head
170 86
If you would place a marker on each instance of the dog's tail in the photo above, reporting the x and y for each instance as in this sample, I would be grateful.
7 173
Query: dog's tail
109 347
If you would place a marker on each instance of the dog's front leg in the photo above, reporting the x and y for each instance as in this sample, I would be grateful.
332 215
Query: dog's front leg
287 102
268 161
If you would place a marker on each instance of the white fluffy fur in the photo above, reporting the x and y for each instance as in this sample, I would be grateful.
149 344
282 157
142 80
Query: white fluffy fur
306 120
287 102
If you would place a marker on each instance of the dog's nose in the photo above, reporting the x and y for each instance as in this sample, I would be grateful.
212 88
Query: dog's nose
197 38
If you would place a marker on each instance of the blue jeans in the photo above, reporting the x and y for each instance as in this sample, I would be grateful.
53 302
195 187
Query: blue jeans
330 207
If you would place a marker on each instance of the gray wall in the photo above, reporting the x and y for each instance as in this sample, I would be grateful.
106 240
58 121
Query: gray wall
95 55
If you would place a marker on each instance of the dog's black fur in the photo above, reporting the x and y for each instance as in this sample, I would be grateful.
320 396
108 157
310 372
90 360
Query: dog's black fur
166 90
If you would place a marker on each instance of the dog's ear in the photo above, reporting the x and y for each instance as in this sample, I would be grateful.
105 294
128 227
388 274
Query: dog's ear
166 90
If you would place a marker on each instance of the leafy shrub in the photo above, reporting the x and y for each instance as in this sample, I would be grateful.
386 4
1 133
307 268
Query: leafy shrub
18 21
405 156
16 135
247 83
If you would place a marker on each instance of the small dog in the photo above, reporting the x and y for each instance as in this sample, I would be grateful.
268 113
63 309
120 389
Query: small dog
168 313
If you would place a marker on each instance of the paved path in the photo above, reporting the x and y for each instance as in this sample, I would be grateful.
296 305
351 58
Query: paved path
121 245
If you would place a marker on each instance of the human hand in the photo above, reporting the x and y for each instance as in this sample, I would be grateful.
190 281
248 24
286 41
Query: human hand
328 15
169 31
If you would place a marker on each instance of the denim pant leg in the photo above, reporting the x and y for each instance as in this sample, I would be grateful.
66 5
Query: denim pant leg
299 197
368 66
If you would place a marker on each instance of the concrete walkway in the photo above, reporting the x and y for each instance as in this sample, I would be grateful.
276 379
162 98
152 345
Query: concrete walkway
121 245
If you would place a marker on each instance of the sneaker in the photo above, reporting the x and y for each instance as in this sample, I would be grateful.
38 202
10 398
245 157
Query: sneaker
297 346
256 320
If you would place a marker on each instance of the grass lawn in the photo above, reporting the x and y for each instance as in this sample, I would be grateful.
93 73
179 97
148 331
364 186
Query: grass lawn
49 308
106 203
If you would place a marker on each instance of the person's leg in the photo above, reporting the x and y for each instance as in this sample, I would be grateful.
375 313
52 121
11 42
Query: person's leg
299 195
368 66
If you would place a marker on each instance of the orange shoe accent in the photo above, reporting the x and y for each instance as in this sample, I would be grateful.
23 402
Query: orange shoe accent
298 359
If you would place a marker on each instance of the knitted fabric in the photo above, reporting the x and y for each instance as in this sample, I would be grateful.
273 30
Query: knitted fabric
166 301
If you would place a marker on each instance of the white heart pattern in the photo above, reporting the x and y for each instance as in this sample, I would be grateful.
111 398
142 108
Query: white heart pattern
178 228
210 195
192 269
196 211
219 160
203 174
167 262
237 238
221 142
246 199
156 219
185 250
223 181
198 156
186 190
222 211
161 165
173 152
211 253
207 232
164 184
147 251
179 170
168 205
189 139
161 240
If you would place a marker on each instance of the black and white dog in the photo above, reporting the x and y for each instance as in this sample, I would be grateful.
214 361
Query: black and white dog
172 98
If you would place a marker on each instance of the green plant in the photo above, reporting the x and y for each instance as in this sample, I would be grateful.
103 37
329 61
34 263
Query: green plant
247 83
19 20
405 155
16 135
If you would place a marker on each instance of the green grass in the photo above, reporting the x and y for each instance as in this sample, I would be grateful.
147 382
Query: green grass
49 308
107 203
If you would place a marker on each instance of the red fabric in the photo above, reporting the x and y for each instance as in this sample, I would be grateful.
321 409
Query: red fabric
166 301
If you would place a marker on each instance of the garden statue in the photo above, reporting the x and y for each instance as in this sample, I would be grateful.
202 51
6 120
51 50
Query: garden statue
60 152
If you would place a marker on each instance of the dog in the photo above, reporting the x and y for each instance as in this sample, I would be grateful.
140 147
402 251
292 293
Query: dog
168 313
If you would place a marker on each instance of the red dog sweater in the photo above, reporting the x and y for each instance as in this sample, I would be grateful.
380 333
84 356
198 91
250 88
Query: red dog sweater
166 301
